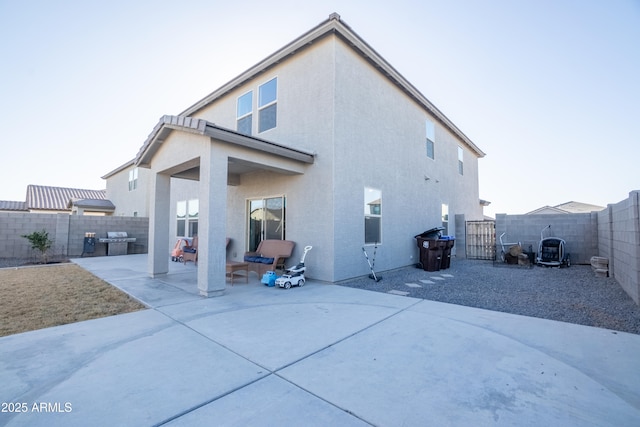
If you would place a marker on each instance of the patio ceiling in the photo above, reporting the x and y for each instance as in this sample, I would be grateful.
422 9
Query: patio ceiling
236 168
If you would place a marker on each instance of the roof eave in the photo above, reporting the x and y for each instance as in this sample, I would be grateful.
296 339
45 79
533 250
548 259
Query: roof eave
320 31
168 124
118 169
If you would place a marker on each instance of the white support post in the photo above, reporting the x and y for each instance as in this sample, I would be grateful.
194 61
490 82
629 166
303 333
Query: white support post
212 224
158 258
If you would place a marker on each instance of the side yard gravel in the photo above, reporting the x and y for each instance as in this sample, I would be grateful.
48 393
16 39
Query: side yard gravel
573 294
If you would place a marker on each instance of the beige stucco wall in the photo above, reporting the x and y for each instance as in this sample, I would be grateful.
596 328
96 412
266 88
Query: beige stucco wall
129 203
381 143
366 133
305 121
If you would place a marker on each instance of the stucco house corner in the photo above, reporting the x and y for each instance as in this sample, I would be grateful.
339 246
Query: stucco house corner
322 143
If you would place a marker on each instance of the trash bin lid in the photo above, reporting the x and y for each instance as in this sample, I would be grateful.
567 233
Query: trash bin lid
434 232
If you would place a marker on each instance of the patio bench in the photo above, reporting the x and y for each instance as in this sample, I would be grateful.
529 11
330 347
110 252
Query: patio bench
269 256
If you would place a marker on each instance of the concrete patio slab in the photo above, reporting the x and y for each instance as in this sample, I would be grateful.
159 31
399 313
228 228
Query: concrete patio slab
271 401
135 369
317 355
420 369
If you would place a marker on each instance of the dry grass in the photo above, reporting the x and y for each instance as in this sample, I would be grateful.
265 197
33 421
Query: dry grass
39 297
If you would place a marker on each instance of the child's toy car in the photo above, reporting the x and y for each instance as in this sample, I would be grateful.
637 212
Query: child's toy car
288 280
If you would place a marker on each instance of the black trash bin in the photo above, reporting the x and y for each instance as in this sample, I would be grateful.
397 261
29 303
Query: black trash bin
431 249
447 242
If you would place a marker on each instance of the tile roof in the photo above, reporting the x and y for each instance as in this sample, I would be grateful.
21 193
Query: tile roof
9 205
40 197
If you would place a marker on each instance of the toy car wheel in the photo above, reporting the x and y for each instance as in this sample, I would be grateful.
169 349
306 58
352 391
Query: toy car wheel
287 285
301 283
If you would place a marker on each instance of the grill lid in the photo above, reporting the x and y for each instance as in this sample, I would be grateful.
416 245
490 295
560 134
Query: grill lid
117 234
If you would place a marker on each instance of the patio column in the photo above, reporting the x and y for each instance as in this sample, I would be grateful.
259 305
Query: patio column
212 224
158 258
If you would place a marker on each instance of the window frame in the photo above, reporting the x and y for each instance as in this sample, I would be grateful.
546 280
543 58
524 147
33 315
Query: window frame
460 160
430 131
444 210
258 226
187 224
372 218
248 115
266 105
133 179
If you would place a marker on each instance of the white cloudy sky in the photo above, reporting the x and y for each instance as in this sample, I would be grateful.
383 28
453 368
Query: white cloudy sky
547 88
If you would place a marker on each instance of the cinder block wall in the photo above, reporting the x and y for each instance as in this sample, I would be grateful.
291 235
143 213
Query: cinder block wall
579 231
14 225
619 237
134 226
67 232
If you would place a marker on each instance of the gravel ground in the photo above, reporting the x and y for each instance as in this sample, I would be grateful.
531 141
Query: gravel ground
573 294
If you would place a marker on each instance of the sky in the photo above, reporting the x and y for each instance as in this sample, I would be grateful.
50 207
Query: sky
548 89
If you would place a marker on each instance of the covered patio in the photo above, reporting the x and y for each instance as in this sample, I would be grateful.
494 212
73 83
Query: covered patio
195 149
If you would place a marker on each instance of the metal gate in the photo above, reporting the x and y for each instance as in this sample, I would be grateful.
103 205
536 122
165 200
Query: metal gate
481 240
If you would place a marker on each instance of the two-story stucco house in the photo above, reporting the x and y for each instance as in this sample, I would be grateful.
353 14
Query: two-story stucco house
323 143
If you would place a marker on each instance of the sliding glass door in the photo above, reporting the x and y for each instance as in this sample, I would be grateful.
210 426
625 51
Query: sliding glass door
266 220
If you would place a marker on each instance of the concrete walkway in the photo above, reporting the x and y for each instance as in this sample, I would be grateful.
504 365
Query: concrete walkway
321 355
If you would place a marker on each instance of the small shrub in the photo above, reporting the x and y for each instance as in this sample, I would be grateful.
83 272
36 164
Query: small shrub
40 240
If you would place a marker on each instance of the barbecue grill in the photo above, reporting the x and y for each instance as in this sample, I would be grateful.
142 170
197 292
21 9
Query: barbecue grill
117 242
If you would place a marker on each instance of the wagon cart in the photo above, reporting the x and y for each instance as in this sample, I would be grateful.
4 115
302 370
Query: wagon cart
552 251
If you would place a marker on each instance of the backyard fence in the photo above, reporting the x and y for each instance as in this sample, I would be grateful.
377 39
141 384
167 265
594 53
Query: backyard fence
481 240
67 232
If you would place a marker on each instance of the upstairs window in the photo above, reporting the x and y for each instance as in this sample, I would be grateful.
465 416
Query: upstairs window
244 113
431 138
267 105
460 161
133 179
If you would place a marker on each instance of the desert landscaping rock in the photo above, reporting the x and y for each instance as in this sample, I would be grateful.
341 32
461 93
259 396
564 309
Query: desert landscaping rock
574 294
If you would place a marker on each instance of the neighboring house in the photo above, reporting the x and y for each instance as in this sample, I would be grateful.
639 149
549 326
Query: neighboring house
323 143
128 188
566 208
12 206
44 199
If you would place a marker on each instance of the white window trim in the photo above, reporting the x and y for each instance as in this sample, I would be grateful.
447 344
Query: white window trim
432 140
133 179
274 102
238 102
373 215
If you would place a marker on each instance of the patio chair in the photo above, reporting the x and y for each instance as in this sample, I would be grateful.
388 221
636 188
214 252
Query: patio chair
190 252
